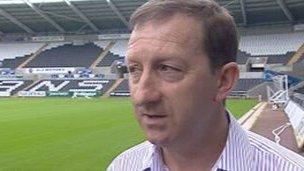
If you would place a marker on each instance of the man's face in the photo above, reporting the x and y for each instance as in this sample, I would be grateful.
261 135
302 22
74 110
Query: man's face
172 87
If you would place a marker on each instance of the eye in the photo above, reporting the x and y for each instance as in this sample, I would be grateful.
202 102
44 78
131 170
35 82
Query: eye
170 73
134 70
167 68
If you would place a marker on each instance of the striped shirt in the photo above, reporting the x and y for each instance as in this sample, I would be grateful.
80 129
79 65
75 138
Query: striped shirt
244 151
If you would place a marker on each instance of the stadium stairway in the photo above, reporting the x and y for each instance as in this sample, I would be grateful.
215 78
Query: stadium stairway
114 86
103 54
268 121
31 85
297 55
33 56
262 120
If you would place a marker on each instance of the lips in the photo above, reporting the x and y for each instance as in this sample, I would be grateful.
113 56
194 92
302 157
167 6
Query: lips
153 116
151 119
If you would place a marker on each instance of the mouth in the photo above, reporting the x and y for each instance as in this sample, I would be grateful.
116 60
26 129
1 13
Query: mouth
151 119
154 116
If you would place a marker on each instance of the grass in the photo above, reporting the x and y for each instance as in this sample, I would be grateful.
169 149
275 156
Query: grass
54 134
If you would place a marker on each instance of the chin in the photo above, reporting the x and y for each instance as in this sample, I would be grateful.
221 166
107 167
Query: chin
158 140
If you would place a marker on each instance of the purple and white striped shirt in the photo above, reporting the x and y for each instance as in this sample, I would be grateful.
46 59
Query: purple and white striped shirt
244 151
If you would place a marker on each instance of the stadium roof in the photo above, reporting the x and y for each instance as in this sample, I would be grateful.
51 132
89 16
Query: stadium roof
101 16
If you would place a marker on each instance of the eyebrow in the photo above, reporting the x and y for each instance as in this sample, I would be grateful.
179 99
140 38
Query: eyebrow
160 58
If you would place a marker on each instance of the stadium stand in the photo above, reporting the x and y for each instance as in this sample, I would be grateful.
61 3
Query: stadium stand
14 62
109 59
117 53
13 50
271 59
14 54
278 48
101 44
122 89
271 44
243 85
300 90
67 55
100 85
247 84
11 87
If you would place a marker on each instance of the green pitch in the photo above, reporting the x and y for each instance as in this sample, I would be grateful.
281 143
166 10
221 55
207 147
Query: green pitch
56 134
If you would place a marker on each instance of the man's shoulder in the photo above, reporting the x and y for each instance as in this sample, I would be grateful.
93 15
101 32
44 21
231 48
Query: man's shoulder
133 158
266 151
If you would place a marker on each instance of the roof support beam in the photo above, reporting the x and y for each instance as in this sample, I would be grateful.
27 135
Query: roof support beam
118 13
48 19
244 14
285 10
15 21
82 16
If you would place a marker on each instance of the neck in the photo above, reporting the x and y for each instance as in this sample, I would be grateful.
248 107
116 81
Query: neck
198 153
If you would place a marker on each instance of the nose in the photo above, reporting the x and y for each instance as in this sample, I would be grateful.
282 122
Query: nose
146 90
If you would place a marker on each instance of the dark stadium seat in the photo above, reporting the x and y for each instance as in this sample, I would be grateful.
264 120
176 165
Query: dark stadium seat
109 59
242 58
100 85
67 55
300 90
14 62
14 86
122 89
247 84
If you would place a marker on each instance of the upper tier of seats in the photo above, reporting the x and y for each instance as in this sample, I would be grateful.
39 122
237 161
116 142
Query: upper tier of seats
13 50
120 48
117 52
67 55
247 84
242 58
278 48
14 63
271 44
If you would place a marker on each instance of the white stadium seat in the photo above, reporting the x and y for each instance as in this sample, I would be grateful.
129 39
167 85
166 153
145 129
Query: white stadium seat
13 50
271 44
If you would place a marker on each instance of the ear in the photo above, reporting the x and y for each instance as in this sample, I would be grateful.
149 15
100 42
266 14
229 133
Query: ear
228 77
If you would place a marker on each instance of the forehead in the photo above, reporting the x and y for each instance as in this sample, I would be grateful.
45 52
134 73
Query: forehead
179 31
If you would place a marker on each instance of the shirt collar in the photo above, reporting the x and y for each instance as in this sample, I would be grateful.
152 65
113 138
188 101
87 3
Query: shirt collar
236 155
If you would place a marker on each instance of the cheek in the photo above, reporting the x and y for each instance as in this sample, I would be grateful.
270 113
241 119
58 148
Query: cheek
194 98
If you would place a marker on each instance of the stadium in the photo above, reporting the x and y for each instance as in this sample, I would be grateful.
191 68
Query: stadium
64 83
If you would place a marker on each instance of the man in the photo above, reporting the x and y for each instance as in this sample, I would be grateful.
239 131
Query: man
181 58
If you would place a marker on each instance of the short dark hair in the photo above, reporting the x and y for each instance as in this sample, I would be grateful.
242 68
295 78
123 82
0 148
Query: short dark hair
219 31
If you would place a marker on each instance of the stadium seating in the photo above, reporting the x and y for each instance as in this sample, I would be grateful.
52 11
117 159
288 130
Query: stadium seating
271 44
243 85
13 50
120 48
247 84
11 87
122 89
14 63
117 52
99 85
109 59
300 90
67 55
278 48
298 98
101 44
